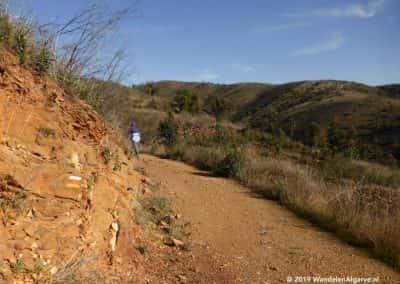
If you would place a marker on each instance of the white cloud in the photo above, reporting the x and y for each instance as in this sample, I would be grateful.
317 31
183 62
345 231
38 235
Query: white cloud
242 68
363 11
205 75
335 41
357 10
281 27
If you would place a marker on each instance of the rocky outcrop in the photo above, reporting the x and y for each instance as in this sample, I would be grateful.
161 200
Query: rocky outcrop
49 231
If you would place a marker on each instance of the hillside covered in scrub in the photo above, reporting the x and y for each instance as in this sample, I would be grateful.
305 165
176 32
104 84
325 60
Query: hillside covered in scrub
370 111
307 111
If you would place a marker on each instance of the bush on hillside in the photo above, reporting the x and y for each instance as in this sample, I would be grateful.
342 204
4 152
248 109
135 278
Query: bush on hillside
373 152
167 130
186 101
222 135
150 88
232 164
42 61
5 30
314 136
20 45
343 142
220 107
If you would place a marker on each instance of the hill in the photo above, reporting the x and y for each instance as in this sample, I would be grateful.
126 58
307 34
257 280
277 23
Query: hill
392 90
235 94
372 112
344 105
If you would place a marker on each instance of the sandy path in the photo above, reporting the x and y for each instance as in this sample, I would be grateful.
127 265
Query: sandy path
256 240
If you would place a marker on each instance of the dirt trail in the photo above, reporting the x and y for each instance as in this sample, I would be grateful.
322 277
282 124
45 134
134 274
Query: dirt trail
253 240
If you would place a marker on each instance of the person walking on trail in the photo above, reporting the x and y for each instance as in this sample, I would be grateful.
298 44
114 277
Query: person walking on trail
135 137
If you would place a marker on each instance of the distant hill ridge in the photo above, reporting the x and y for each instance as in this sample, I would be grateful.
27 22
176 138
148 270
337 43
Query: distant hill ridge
374 111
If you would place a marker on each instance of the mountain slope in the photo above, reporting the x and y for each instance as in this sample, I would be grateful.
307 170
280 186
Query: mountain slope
54 227
294 106
235 94
374 112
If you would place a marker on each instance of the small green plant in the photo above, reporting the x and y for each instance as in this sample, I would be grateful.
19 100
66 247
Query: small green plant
18 202
92 180
20 45
107 155
47 132
5 30
143 249
186 101
117 163
156 210
19 267
42 61
222 135
315 136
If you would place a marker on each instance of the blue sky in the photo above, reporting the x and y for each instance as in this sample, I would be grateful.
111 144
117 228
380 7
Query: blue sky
272 41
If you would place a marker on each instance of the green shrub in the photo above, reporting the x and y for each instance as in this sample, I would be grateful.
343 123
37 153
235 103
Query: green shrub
222 135
167 130
314 135
186 101
19 267
220 107
41 62
5 30
157 206
227 138
231 165
92 180
20 45
107 155
117 163
345 142
278 141
373 152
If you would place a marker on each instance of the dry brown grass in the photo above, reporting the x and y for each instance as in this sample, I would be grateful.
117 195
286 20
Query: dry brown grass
360 210
365 215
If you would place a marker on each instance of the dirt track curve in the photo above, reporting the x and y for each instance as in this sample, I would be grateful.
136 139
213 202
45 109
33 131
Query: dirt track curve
255 240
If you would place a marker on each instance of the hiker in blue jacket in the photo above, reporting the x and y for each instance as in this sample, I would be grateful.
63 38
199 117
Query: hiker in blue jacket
135 138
